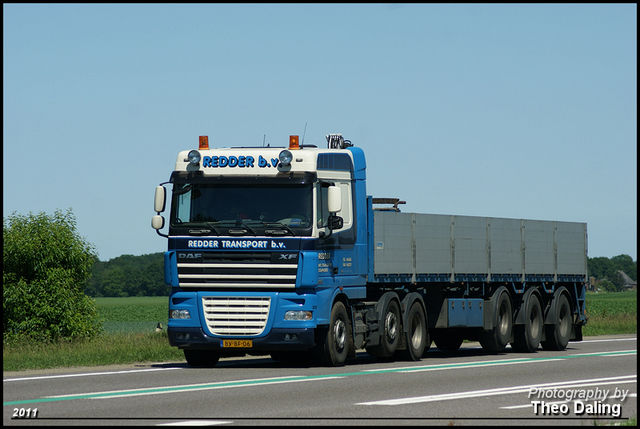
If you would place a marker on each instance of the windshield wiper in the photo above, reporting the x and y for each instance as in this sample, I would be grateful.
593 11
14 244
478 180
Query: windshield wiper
283 231
210 225
205 231
241 224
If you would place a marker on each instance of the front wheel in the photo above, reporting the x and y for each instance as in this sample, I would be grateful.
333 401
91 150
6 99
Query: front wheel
201 358
334 343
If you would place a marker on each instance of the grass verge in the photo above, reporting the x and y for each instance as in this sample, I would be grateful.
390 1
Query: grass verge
608 314
120 348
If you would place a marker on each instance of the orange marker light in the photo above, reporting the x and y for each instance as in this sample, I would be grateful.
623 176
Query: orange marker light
293 143
204 143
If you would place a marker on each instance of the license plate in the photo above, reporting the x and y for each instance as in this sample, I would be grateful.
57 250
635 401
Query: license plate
244 344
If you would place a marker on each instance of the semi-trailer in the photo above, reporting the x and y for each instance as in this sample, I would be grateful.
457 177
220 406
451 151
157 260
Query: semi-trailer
280 251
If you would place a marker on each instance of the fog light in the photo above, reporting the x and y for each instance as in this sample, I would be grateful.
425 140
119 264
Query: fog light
180 314
194 157
298 315
285 157
290 337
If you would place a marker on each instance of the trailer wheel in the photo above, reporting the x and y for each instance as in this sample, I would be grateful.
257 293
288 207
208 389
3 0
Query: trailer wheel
417 335
448 342
334 345
391 331
201 358
496 339
557 335
527 337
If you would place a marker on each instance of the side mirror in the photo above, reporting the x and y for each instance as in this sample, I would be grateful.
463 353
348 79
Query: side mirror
335 222
159 201
334 196
157 222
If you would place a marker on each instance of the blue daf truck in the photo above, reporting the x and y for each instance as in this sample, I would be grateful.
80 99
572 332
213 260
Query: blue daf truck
280 251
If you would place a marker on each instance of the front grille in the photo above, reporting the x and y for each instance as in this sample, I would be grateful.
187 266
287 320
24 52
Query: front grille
239 270
236 316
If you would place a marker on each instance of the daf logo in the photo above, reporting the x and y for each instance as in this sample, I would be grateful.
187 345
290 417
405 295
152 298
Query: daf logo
189 255
288 256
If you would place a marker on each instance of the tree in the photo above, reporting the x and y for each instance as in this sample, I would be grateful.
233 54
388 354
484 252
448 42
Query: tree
605 268
625 263
601 267
129 275
45 268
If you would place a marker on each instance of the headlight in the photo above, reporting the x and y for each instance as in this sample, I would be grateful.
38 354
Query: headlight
298 315
194 157
180 314
285 157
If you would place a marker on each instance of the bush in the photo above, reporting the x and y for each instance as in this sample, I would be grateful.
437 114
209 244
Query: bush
45 268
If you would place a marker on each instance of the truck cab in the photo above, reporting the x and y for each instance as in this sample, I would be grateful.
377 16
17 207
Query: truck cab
260 241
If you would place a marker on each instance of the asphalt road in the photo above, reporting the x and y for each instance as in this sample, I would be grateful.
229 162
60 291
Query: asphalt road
469 387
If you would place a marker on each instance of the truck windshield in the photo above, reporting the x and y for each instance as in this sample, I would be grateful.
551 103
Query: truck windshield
274 209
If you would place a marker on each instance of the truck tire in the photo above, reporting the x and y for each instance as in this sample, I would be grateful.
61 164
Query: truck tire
448 342
417 335
557 335
334 342
527 337
496 339
201 358
391 331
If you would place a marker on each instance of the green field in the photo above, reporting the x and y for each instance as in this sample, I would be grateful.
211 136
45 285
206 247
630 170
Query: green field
611 313
130 333
134 314
607 313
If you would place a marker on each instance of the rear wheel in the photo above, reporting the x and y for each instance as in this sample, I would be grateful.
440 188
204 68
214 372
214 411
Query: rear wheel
391 330
496 339
527 337
201 358
557 335
417 335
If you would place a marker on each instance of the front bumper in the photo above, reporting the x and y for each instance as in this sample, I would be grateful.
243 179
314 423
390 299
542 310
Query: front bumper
278 339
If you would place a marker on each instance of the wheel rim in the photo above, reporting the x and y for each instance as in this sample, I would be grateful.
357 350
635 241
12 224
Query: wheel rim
391 325
339 334
504 319
416 337
535 322
563 321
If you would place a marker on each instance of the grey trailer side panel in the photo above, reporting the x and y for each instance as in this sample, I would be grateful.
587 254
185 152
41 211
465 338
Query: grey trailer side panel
410 244
469 244
506 246
392 243
433 244
539 247
572 248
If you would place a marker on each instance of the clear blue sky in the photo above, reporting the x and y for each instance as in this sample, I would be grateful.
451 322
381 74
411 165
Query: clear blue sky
518 111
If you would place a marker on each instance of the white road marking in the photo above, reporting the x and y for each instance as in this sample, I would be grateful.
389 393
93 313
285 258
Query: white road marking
502 391
197 423
85 374
514 407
